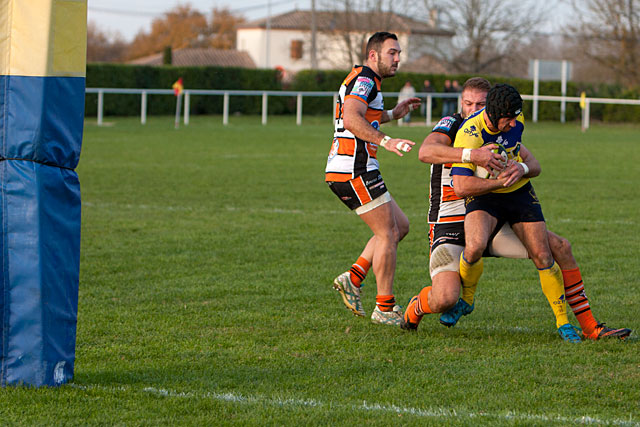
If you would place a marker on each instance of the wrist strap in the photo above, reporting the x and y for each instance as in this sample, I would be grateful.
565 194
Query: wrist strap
525 167
390 114
466 155
384 140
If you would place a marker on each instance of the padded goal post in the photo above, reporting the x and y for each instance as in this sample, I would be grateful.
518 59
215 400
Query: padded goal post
42 83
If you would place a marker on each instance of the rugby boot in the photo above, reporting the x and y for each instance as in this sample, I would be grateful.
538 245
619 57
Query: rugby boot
602 331
391 318
451 317
569 333
350 293
407 324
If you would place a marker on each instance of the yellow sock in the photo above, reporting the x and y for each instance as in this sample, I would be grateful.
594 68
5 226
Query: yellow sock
470 276
553 289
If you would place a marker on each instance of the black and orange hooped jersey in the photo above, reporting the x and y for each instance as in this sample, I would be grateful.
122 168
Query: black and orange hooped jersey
351 156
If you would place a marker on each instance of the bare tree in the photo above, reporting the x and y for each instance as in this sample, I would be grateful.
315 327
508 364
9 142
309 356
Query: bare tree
223 28
351 23
607 33
487 31
103 47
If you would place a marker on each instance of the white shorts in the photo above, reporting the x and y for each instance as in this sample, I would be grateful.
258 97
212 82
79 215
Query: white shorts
379 201
505 244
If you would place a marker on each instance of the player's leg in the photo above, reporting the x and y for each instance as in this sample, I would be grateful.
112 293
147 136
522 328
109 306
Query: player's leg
535 238
444 290
575 294
388 224
361 195
478 226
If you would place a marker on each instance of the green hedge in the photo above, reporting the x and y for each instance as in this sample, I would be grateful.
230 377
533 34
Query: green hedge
148 77
131 76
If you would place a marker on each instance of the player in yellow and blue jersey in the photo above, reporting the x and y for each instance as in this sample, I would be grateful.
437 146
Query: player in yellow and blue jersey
509 197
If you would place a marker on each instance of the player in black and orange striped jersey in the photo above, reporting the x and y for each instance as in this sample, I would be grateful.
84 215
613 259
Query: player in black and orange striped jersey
353 174
446 229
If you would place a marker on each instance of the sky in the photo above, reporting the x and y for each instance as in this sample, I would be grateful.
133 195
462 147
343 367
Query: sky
128 17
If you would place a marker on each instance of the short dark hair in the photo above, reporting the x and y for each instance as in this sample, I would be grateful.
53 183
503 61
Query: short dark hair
477 83
375 41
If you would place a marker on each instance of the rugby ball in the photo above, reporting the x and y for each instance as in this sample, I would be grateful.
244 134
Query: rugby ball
493 174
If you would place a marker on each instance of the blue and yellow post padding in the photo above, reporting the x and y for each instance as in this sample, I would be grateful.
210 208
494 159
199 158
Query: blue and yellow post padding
42 82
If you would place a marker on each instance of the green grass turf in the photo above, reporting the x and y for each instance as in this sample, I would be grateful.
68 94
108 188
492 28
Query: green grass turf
207 259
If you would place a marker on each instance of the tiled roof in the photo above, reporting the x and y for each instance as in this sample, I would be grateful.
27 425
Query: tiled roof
201 57
356 21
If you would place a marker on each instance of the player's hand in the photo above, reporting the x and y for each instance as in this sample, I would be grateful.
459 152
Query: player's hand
405 107
511 174
399 146
486 158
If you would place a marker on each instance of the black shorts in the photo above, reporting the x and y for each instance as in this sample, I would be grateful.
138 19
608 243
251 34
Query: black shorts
453 233
521 205
360 190
441 233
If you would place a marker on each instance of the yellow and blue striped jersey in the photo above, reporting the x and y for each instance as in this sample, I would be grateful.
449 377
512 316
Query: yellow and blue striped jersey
475 133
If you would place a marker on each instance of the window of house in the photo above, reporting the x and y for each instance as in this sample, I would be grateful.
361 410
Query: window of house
296 49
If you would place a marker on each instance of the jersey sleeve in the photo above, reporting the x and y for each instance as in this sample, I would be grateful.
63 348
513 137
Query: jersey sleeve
468 136
448 125
363 88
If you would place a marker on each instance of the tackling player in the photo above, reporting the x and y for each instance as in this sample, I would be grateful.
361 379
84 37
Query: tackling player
446 232
353 174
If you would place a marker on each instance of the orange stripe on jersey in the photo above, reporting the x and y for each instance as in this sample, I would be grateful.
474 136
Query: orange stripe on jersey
452 218
448 194
361 190
372 149
346 146
337 177
358 98
352 75
373 115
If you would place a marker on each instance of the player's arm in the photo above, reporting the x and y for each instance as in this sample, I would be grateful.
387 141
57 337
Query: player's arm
469 185
354 121
400 110
529 167
436 149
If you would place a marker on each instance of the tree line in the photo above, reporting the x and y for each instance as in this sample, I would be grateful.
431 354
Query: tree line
498 37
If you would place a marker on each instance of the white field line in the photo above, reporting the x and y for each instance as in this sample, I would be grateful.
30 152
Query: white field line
446 413
345 211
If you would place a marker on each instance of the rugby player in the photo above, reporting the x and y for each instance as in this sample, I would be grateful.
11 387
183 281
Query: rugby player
353 174
446 231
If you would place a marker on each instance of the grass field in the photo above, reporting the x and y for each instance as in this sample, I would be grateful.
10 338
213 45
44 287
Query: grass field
207 259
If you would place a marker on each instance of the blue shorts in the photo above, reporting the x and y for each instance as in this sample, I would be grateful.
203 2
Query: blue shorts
521 205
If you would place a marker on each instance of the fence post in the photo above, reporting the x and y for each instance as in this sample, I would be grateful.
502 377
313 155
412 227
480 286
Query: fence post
299 109
100 106
428 112
335 102
264 108
143 108
585 115
225 109
187 99
536 89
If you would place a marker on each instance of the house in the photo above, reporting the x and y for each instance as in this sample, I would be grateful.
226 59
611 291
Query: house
340 38
200 57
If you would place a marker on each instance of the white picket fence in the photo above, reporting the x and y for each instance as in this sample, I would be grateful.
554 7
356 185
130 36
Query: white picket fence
300 96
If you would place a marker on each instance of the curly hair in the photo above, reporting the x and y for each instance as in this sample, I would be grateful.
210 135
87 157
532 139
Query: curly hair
503 100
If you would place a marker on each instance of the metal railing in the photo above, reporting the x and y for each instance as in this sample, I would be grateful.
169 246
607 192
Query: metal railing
299 95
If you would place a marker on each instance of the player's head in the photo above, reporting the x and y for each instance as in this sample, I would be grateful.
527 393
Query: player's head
474 95
504 104
383 53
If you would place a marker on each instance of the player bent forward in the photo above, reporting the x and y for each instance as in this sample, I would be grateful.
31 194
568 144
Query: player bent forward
446 214
353 174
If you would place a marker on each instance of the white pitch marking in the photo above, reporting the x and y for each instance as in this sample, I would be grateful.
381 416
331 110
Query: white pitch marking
420 412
